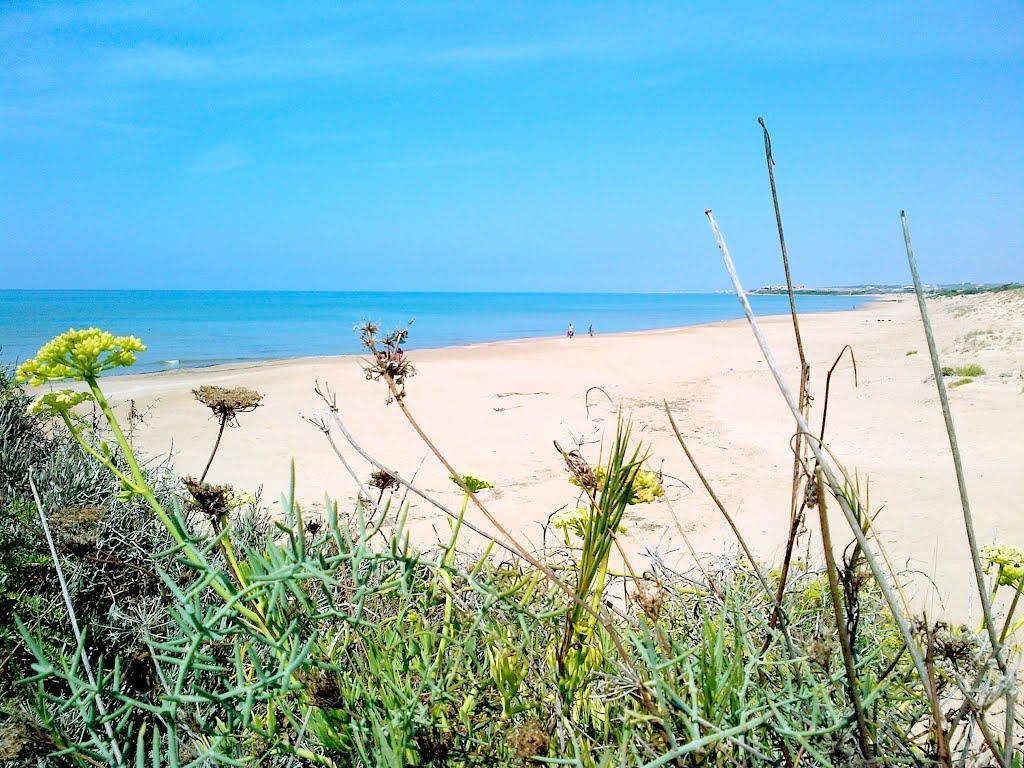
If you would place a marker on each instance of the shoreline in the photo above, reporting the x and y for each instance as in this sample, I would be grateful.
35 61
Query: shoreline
868 301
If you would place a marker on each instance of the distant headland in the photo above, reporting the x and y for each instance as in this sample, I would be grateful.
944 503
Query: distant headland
953 289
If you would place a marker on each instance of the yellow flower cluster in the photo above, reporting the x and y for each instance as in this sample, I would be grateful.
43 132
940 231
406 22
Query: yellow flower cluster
574 520
79 354
646 487
57 403
1010 561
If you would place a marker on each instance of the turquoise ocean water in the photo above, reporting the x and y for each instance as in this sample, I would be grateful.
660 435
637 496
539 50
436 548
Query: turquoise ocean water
197 328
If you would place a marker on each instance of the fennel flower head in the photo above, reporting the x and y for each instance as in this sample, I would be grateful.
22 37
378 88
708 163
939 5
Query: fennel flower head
1010 561
575 521
58 403
79 354
646 485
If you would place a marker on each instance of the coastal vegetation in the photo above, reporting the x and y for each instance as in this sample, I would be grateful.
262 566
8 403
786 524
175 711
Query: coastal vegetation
970 370
961 382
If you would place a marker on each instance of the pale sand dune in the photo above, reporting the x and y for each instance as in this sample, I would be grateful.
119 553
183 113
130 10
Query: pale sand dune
495 409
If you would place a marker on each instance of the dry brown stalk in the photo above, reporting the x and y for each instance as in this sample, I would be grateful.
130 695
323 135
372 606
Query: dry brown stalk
852 684
804 397
828 385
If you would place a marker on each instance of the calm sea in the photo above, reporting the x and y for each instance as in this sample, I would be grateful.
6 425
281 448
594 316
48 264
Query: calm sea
198 328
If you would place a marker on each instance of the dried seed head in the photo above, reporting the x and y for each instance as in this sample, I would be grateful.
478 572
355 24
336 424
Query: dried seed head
820 651
582 473
811 495
530 740
383 480
433 746
651 597
214 501
226 403
956 644
388 359
323 689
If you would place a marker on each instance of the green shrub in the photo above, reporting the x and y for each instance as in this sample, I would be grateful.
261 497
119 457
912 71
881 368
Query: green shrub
971 370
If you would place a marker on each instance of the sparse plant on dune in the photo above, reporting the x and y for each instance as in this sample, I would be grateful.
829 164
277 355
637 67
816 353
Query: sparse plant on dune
970 370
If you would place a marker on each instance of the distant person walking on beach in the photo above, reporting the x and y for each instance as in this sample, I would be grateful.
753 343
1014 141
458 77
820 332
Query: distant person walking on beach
590 331
570 332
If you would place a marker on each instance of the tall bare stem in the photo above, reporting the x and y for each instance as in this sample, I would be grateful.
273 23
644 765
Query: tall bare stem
961 481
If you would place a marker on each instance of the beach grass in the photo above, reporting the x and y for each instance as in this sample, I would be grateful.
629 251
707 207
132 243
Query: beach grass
970 370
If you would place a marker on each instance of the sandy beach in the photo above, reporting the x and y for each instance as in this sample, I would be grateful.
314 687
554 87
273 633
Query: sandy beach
495 409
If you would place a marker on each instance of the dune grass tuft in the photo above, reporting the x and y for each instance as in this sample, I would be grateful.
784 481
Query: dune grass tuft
971 370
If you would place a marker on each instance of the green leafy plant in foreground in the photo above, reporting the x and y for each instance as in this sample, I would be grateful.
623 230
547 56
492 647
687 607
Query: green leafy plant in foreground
330 641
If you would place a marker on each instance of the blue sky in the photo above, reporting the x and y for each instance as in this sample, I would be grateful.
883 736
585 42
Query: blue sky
520 146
